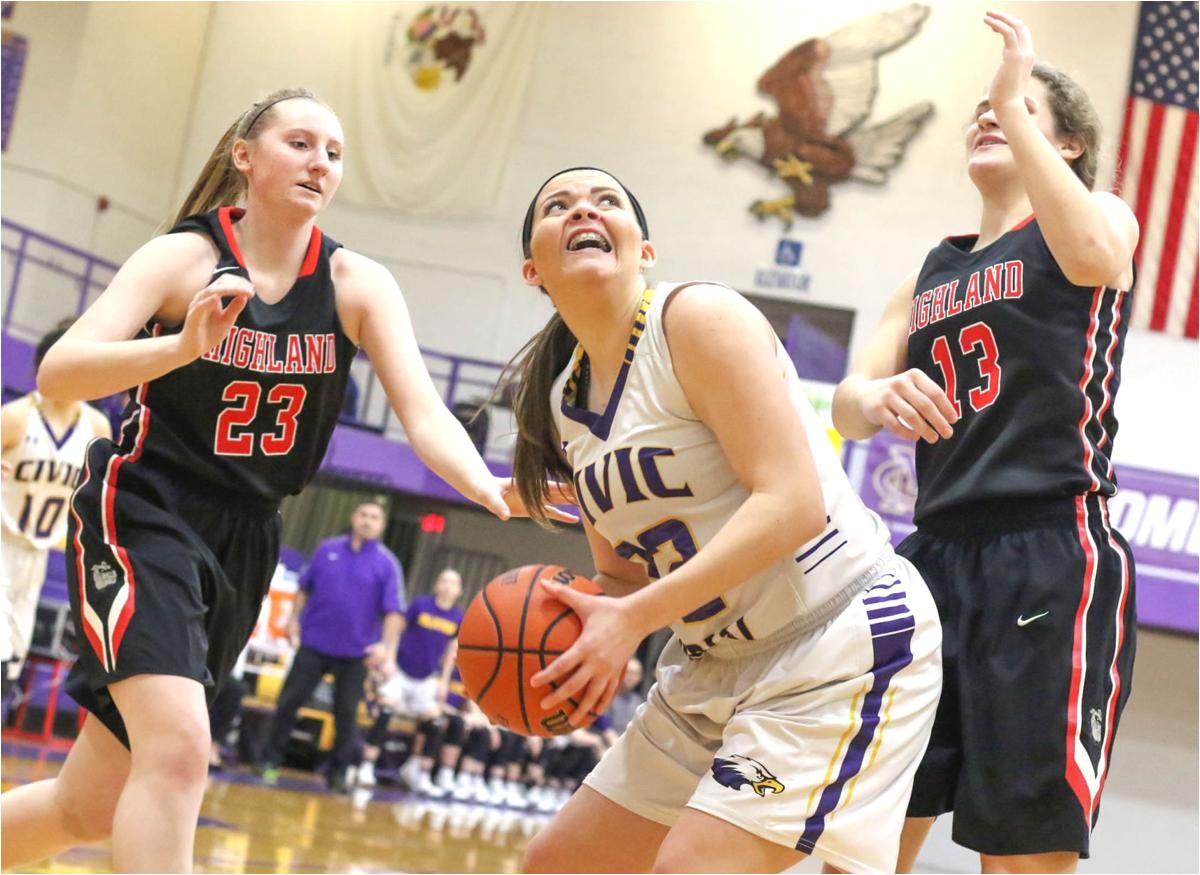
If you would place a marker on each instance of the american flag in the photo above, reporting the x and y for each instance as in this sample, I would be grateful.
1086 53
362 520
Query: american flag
1156 172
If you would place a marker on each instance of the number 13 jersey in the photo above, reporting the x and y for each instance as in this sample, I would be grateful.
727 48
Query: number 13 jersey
1031 362
253 416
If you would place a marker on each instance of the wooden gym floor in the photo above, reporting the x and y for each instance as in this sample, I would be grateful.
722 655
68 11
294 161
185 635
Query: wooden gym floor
297 826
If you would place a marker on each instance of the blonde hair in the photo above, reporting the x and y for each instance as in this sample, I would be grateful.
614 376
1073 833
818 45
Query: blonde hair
220 183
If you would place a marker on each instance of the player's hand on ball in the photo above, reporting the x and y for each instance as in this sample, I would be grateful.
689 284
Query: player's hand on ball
591 669
208 319
909 405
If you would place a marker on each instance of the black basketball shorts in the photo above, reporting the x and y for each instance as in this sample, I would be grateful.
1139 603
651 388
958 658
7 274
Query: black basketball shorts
160 581
1038 629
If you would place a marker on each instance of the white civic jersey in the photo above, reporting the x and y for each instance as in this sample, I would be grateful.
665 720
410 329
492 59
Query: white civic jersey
655 483
45 467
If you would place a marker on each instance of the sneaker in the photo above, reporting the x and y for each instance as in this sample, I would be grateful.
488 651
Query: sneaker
549 801
426 787
270 774
366 775
515 796
336 781
464 787
498 791
482 793
445 779
411 772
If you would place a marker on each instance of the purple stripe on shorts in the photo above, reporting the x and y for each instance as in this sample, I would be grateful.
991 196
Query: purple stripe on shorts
888 627
890 597
881 586
887 611
892 653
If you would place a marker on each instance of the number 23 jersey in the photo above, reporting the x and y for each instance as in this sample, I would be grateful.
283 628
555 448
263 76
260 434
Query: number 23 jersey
1031 362
253 416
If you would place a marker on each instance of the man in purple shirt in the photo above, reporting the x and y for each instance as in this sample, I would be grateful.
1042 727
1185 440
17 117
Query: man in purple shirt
348 618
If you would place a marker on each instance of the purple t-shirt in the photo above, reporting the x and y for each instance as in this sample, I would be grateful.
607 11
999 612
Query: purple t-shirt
349 592
427 633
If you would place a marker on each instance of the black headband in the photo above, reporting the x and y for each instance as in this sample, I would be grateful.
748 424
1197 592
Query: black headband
527 228
264 108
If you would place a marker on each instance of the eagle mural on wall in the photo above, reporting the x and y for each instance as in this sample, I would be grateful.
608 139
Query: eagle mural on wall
824 89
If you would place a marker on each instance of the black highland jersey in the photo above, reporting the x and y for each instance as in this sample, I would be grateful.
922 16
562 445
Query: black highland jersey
1031 361
251 418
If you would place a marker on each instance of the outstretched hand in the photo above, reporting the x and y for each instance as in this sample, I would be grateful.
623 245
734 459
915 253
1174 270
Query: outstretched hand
591 669
504 500
1011 81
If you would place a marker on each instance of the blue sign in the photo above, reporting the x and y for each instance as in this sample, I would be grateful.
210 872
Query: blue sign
788 253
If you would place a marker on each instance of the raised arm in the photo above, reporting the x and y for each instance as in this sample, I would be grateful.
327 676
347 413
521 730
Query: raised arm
881 391
374 316
98 355
1092 235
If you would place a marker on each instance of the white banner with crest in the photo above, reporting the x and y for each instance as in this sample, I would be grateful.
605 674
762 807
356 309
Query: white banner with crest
431 97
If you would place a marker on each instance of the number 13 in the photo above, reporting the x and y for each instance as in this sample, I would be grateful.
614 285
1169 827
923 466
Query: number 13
971 338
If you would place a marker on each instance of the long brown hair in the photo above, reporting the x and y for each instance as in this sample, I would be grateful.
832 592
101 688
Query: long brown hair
538 456
220 183
1074 116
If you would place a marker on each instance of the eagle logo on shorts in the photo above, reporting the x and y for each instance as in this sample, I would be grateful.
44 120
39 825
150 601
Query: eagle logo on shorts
103 576
825 89
738 771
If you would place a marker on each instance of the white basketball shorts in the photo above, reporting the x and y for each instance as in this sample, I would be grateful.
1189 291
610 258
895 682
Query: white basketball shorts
24 571
811 742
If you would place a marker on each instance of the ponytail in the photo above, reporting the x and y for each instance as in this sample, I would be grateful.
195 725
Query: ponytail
220 183
538 456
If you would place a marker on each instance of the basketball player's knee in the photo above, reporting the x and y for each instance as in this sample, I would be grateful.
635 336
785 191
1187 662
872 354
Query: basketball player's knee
178 753
674 857
544 854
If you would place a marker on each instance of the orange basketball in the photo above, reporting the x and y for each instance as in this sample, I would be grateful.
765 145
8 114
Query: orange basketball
511 631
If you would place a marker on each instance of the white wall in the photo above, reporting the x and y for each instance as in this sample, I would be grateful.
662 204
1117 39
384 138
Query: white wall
102 110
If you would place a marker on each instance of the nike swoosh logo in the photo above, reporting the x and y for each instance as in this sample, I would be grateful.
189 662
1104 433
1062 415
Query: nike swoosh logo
1025 621
223 269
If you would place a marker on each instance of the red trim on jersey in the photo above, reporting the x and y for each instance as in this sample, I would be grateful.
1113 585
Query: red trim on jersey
226 215
1114 339
975 236
314 252
1074 774
1093 328
109 504
92 637
1113 672
1089 372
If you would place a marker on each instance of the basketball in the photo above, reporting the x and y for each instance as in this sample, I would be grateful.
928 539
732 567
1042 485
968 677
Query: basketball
511 631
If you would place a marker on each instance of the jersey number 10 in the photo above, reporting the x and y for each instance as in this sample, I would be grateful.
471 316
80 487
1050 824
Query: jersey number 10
234 438
975 337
